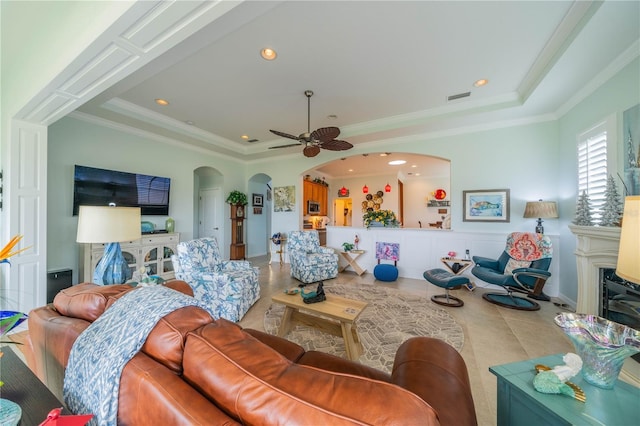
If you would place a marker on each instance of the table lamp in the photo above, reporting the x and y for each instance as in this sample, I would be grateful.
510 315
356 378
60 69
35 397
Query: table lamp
541 209
628 267
110 225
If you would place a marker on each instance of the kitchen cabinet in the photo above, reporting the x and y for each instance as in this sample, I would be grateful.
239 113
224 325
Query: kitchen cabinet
153 251
313 191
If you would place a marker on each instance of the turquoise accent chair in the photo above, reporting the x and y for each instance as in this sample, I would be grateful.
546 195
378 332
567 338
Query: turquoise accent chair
522 267
310 262
230 287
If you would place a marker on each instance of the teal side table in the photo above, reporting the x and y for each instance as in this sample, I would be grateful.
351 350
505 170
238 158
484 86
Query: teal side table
520 404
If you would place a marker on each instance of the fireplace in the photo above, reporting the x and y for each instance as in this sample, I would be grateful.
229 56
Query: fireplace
596 259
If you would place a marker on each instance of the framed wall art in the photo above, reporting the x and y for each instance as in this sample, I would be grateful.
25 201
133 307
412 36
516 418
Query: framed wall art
258 200
284 199
486 205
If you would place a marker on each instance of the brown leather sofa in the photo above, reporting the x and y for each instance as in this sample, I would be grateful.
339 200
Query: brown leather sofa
193 370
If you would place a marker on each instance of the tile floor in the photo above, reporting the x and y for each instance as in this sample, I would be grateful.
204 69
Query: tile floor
493 335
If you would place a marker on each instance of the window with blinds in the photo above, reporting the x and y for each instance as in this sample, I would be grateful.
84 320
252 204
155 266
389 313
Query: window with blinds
592 168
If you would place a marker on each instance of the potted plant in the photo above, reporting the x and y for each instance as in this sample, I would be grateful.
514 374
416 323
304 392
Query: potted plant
237 198
347 246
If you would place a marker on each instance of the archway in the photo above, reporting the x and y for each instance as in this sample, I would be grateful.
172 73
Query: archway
259 215
412 187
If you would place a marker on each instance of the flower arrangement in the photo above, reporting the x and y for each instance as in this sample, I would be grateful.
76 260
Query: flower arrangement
237 197
10 319
384 217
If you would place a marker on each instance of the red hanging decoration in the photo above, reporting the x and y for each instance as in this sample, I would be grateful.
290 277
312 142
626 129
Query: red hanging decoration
343 191
387 188
365 189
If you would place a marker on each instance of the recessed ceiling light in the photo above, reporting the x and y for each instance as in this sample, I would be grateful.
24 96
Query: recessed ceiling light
383 154
332 116
244 137
350 170
481 82
414 166
396 162
268 54
162 102
417 174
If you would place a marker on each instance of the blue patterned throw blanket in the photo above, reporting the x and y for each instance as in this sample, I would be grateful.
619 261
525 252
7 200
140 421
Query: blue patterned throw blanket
98 356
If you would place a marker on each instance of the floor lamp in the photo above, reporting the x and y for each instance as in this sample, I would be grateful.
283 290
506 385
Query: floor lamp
110 225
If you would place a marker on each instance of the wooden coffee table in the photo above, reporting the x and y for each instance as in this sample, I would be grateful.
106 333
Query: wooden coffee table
336 315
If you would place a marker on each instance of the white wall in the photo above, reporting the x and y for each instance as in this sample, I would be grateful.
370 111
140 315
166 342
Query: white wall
73 141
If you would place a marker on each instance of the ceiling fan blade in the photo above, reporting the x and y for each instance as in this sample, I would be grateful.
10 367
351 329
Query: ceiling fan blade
325 134
284 146
284 135
336 145
311 150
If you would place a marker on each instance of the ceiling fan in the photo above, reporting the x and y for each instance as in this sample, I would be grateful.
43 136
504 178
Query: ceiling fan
324 137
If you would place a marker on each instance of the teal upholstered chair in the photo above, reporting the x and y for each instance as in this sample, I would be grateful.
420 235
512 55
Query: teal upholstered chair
522 267
230 287
310 262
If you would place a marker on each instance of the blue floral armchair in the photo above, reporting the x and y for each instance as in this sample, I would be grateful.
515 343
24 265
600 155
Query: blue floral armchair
230 287
310 262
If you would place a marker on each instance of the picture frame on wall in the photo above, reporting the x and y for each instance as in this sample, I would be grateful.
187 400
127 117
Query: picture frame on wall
486 205
258 200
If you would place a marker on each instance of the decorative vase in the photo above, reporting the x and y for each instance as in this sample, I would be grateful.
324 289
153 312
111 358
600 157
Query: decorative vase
603 346
170 225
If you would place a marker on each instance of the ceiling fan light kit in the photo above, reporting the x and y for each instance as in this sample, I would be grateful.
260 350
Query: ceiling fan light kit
324 137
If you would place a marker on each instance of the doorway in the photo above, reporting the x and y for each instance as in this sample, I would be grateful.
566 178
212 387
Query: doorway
343 212
209 218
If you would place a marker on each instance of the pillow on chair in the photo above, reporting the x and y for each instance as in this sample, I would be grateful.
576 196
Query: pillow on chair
515 264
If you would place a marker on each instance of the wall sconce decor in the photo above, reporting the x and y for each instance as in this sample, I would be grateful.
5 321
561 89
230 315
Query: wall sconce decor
365 189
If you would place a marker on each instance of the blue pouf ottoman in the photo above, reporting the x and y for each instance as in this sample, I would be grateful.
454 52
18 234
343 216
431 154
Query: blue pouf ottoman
446 280
385 272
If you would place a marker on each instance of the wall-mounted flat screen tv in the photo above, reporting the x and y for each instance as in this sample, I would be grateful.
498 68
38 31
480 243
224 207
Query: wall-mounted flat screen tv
100 187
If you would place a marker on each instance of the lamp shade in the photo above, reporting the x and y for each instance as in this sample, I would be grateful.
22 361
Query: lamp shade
629 252
102 224
541 209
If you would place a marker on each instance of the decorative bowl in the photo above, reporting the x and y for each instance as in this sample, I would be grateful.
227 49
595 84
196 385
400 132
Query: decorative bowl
603 345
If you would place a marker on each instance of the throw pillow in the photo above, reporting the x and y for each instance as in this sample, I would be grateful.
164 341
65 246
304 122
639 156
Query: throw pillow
515 264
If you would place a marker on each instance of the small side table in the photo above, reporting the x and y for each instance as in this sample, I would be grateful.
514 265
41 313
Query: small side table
351 261
520 404
280 252
458 266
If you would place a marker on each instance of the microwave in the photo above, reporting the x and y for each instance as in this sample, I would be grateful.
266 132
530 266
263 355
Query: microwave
313 207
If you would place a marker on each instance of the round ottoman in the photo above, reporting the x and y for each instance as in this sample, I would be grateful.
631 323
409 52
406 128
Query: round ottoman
385 272
446 280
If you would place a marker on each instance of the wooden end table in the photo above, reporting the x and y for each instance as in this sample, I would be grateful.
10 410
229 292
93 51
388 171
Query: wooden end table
336 316
25 389
458 266
351 261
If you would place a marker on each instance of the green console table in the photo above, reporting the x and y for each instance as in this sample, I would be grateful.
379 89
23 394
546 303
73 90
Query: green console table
520 404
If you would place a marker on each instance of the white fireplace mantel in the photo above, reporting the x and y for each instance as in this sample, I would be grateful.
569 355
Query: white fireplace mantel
597 247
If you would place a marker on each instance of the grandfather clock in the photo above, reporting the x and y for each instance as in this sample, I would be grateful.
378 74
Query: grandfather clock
237 232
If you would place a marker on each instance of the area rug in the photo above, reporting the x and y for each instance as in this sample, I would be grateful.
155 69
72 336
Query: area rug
391 317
